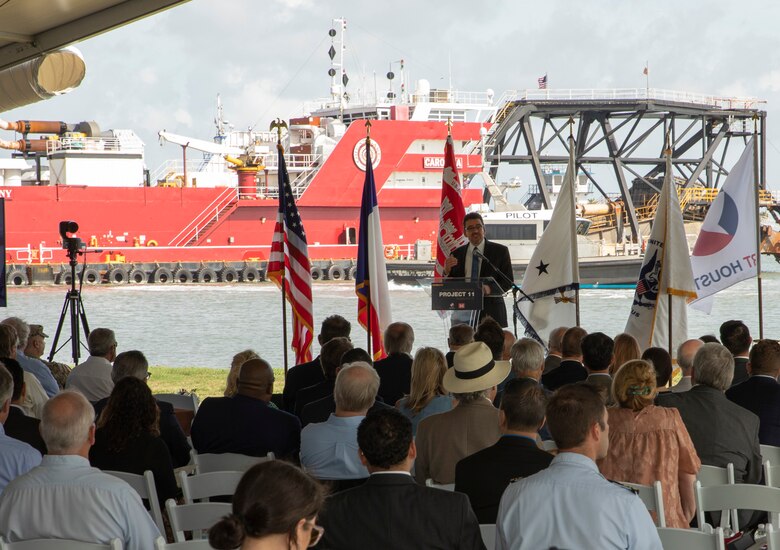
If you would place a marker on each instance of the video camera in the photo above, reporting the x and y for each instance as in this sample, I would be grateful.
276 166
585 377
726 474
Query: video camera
72 244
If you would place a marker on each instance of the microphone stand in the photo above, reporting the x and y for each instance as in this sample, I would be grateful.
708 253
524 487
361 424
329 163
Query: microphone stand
512 285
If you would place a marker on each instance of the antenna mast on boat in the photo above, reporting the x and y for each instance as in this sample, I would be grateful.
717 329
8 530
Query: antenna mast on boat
337 72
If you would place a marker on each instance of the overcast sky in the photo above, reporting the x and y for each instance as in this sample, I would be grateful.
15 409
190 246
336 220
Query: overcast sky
266 58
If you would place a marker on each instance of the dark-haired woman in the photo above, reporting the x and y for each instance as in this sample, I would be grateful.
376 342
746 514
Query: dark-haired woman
128 437
275 507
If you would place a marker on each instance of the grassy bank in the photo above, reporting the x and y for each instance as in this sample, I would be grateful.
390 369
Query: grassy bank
203 381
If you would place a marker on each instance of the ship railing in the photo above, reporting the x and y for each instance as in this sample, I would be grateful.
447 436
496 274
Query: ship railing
292 161
209 214
624 94
95 144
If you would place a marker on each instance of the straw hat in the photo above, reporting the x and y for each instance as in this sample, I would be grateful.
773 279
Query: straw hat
474 370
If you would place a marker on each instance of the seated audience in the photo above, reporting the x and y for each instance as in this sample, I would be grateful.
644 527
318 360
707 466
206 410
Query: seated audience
760 394
459 335
427 395
554 343
395 370
509 340
485 475
330 358
722 432
34 396
36 346
235 365
649 443
390 510
709 339
571 369
445 438
570 504
735 335
18 425
527 360
597 357
128 437
30 364
626 349
311 373
685 354
661 361
245 423
491 333
93 377
275 506
329 449
133 363
102 507
16 457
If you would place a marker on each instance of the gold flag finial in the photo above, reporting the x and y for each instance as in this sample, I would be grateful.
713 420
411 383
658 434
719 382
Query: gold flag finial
449 127
277 125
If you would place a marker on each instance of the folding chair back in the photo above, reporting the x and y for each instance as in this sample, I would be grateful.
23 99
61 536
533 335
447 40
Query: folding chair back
691 539
202 544
742 495
771 453
772 537
225 462
194 517
653 498
715 475
144 486
59 544
201 487
179 401
549 445
443 486
772 474
488 534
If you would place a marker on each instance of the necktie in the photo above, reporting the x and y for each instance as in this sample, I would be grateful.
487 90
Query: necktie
474 265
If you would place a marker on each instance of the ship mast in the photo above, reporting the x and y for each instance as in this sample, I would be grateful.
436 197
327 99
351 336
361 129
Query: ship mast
337 72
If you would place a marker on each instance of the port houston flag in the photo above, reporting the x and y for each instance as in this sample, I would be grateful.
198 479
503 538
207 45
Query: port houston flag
371 274
451 212
665 277
552 276
725 252
289 261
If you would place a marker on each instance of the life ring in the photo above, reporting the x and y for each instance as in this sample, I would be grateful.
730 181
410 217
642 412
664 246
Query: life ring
91 276
207 275
137 276
228 275
17 277
336 273
182 275
317 274
117 276
250 274
151 242
391 251
162 275
352 272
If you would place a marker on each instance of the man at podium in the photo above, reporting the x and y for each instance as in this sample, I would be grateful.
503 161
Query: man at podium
474 260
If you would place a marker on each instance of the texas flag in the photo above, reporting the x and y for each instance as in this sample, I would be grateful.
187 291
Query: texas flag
725 252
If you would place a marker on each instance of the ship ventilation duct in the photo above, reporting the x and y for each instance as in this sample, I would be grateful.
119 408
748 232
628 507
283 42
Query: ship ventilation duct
44 77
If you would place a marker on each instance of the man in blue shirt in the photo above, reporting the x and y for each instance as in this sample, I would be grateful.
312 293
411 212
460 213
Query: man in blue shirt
34 366
570 504
16 457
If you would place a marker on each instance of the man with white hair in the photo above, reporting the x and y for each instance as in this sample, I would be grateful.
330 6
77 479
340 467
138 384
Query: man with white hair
16 457
329 450
103 507
93 377
30 364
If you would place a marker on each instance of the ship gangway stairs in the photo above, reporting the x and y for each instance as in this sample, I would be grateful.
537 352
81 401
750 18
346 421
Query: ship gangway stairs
205 222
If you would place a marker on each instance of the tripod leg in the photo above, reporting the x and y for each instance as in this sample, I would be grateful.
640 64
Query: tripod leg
53 348
74 327
83 317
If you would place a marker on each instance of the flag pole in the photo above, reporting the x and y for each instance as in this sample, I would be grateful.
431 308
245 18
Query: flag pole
368 264
665 265
575 254
757 182
278 125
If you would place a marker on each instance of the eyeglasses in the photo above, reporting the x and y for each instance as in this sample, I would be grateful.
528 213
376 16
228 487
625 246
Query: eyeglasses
316 534
477 227
148 375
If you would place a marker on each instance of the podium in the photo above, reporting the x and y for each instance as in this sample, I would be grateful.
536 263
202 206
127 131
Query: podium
464 298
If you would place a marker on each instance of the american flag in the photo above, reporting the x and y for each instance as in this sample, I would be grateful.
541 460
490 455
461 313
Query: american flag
542 81
289 262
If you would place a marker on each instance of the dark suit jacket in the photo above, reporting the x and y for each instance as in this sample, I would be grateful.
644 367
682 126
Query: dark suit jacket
312 394
761 396
299 377
170 431
395 377
498 254
740 370
245 425
551 362
568 372
24 428
602 383
390 511
320 410
484 475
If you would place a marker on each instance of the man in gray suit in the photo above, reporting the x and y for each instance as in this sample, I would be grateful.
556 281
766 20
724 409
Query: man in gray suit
722 431
685 354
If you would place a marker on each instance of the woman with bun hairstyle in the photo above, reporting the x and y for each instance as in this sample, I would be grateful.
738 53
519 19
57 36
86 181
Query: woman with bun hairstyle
275 507
649 443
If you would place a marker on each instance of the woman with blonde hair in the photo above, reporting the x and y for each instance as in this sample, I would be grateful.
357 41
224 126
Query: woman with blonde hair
626 349
649 443
238 359
427 395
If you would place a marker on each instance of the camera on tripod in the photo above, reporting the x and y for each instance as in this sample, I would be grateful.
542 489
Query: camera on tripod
72 244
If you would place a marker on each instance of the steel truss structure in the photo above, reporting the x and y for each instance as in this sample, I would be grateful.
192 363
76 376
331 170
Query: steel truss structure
627 130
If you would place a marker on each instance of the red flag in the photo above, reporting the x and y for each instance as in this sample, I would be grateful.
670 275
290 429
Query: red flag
289 260
451 212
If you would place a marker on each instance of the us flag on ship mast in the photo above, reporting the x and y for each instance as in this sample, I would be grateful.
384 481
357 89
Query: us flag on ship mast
289 262
542 81
451 211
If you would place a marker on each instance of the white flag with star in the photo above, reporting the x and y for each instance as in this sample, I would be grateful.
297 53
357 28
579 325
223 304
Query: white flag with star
552 277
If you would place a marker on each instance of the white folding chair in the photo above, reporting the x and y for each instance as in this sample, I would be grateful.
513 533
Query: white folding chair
443 486
738 496
771 453
225 462
691 539
201 487
772 537
710 476
179 401
59 544
202 544
144 486
194 517
549 445
653 498
772 475
488 532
